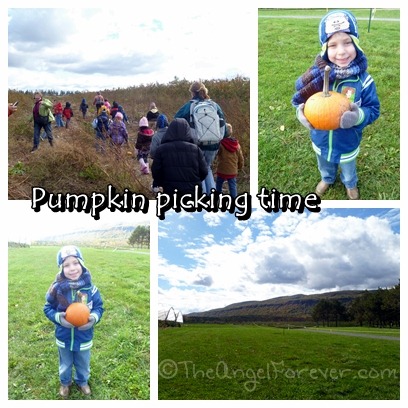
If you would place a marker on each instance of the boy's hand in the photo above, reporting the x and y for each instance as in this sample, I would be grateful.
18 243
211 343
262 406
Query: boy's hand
350 118
302 118
64 322
87 326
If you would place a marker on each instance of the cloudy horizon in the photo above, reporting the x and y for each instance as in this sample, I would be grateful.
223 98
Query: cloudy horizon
88 49
209 261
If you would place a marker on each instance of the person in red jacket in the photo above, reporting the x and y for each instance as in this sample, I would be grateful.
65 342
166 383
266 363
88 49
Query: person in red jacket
58 114
67 113
229 160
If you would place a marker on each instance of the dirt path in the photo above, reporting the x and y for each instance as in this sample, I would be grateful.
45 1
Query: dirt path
354 334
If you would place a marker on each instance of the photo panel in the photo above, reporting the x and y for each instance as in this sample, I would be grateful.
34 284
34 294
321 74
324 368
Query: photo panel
283 306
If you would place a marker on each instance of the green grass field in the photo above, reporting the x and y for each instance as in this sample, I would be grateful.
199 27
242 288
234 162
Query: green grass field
263 363
287 47
120 357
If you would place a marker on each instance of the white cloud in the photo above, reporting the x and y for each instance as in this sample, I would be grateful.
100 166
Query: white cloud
111 47
288 254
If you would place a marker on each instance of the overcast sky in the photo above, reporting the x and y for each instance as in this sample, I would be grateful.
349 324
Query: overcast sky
208 261
25 225
120 46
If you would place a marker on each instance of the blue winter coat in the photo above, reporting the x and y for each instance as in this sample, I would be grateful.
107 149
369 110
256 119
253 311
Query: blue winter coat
74 339
343 145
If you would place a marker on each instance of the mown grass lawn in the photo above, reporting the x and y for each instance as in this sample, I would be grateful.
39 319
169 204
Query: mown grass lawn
263 363
287 47
120 357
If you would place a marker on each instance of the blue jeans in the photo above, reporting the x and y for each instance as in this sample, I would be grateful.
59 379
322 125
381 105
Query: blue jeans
58 120
209 182
81 360
37 131
232 185
328 172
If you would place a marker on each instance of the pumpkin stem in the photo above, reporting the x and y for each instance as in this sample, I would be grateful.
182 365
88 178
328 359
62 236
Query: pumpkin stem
326 81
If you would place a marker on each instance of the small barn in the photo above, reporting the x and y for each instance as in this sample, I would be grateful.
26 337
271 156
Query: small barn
170 317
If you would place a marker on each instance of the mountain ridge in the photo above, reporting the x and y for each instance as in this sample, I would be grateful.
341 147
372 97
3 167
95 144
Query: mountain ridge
279 309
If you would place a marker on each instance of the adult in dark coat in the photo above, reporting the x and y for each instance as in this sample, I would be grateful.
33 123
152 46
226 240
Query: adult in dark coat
178 162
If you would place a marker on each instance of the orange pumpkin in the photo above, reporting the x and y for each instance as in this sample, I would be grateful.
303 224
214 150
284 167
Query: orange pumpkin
324 109
77 314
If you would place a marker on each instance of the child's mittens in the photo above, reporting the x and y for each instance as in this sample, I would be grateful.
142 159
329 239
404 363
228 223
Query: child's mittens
351 118
88 325
302 118
64 322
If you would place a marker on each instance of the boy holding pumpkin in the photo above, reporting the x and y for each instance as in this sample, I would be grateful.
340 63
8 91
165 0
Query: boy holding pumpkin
341 51
73 284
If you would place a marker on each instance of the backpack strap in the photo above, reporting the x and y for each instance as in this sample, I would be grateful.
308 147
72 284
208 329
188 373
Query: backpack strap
193 103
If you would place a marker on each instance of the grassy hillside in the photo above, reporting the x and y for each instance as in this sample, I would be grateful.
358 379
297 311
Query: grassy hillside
297 308
73 165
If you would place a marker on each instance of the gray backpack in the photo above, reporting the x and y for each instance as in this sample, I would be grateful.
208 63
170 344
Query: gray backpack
206 122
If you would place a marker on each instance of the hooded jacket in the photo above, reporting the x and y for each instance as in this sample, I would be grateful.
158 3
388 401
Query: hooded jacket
178 162
83 106
343 145
74 339
229 158
118 133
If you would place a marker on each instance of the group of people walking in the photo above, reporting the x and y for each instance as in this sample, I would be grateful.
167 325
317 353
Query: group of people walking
181 159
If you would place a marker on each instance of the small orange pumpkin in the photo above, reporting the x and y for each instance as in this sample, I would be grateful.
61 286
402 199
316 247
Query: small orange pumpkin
77 314
324 109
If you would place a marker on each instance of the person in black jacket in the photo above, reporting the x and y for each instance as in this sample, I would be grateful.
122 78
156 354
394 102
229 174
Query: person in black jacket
178 162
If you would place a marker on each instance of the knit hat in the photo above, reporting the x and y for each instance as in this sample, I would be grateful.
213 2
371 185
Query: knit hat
118 115
337 21
143 122
66 251
162 121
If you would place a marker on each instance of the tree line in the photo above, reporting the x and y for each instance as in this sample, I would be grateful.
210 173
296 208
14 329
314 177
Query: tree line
379 308
140 237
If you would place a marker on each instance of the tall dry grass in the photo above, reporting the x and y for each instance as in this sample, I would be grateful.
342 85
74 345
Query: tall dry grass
73 165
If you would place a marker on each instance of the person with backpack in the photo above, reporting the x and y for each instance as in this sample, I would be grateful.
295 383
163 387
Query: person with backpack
101 130
83 107
42 117
207 122
67 113
98 102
